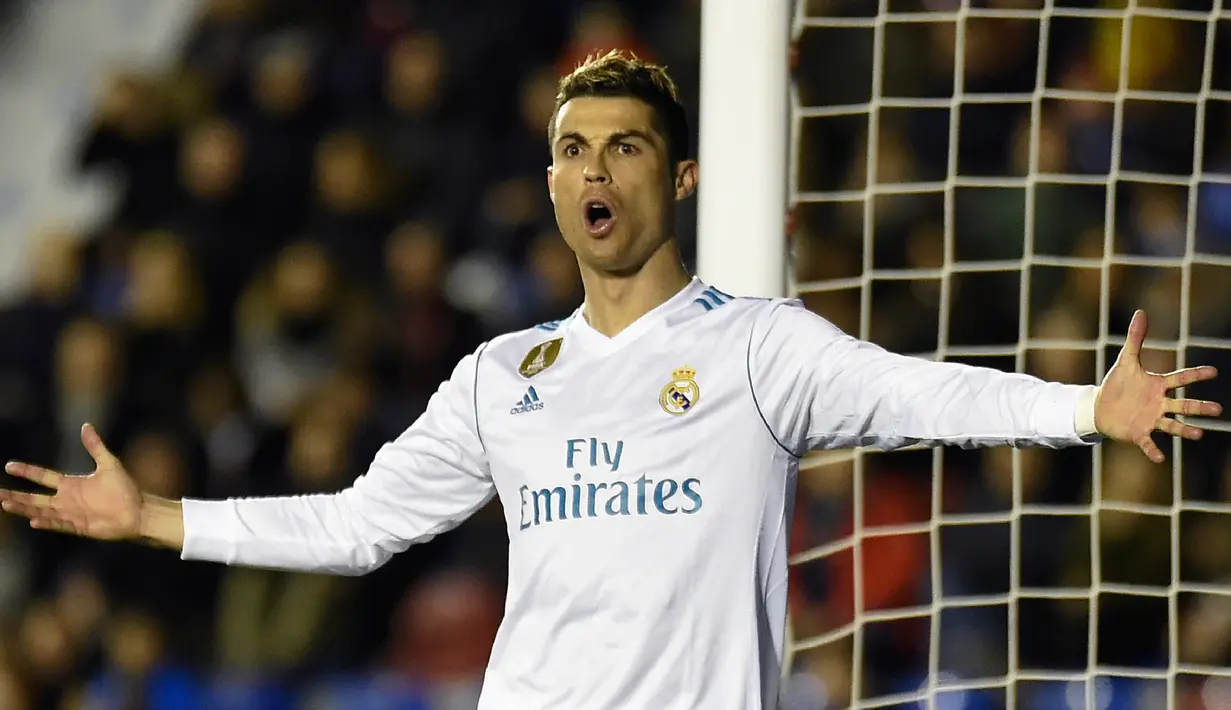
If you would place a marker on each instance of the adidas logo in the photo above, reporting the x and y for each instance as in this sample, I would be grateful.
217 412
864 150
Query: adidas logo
528 403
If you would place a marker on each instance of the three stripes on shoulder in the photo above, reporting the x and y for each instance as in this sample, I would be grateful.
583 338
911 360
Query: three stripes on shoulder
712 298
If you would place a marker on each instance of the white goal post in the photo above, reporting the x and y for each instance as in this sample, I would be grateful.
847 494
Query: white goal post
743 145
753 123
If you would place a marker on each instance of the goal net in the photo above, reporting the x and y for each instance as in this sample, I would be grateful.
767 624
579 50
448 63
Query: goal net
1000 183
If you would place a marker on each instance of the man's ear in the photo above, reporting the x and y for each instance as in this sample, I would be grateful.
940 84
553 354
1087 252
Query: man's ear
551 184
686 174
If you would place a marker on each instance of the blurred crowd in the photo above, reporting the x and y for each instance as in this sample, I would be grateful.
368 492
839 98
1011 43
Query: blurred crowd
326 204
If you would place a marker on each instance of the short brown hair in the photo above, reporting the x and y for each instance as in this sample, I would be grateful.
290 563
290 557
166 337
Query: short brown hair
618 74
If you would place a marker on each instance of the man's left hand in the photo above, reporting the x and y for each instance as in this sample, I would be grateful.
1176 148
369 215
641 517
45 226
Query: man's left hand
1132 404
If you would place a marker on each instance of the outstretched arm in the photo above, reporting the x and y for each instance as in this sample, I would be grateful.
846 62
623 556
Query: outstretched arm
430 479
821 388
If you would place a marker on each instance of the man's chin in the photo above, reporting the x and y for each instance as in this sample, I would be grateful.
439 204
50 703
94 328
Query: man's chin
612 254
605 257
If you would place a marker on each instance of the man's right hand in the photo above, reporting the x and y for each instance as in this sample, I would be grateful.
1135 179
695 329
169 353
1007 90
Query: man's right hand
104 505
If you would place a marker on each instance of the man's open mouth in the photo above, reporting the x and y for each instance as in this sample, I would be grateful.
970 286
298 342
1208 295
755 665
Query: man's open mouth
599 216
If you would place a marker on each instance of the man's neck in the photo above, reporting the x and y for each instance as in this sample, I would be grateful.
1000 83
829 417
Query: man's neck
614 302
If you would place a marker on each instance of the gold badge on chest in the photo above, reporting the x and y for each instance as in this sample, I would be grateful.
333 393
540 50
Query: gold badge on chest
682 393
541 357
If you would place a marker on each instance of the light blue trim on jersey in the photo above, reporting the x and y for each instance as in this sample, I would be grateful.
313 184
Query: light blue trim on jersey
752 389
550 326
478 430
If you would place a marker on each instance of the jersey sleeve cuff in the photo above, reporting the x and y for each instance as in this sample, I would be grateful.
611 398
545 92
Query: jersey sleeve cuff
1083 411
1064 416
209 530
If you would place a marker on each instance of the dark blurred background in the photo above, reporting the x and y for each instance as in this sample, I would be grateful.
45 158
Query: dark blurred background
321 206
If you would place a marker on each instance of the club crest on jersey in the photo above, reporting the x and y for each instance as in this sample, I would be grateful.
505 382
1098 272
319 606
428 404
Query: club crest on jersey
540 358
682 393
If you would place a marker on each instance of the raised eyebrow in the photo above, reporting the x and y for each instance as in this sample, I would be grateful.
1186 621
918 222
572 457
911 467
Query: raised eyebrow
572 137
627 135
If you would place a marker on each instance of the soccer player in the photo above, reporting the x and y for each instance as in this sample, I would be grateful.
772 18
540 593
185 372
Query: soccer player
645 449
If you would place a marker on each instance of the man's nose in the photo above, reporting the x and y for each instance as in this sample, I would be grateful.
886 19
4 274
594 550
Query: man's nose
595 172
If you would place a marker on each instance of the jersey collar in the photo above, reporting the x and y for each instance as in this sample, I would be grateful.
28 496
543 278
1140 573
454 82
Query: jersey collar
581 328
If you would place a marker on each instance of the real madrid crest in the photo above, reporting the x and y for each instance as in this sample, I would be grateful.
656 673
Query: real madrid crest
541 357
682 393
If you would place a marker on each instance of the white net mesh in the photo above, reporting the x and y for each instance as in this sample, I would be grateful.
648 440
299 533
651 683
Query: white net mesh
1001 183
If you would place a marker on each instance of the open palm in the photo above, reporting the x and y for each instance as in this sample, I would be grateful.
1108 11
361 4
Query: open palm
105 505
1132 404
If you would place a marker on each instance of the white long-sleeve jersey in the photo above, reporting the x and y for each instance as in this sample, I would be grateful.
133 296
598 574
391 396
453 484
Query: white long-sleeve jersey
647 482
